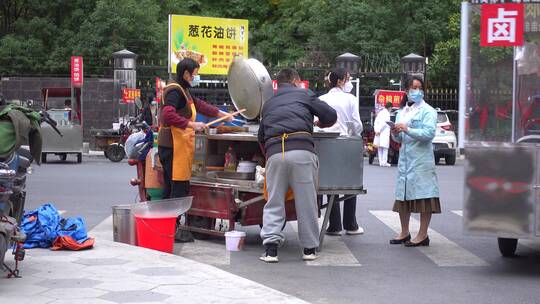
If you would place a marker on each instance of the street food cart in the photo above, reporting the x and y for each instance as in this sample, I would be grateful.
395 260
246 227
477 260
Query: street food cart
230 197
500 120
64 105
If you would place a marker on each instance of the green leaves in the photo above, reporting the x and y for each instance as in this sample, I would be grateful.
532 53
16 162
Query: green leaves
40 36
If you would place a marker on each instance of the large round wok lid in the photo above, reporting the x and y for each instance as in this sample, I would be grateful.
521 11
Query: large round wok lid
250 86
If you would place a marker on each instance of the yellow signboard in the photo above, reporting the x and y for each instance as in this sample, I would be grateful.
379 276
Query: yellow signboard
213 42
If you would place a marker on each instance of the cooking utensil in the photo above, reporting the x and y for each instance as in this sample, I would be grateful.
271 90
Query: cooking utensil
250 86
246 167
225 117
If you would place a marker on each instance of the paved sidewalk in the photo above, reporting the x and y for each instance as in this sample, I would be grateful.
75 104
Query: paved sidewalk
118 273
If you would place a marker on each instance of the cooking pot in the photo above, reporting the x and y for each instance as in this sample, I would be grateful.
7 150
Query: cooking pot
246 167
250 86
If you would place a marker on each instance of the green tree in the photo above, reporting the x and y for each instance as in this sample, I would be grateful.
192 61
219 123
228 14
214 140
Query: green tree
40 36
115 25
35 33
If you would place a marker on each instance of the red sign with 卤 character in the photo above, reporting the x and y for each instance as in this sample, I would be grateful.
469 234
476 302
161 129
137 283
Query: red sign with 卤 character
384 96
129 95
502 24
76 71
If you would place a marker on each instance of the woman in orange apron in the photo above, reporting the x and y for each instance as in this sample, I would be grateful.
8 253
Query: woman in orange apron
176 138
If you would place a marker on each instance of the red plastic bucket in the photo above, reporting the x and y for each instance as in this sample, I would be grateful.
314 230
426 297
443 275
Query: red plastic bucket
156 232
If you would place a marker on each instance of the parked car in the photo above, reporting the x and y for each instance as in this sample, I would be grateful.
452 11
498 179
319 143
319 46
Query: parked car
445 142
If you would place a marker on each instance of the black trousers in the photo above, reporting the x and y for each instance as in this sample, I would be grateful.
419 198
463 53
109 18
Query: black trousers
171 189
349 215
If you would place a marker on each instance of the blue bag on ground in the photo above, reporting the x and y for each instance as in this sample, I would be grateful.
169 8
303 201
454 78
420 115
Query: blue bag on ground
73 227
43 225
40 226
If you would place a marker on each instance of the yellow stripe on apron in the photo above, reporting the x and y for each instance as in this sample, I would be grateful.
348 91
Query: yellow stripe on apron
284 137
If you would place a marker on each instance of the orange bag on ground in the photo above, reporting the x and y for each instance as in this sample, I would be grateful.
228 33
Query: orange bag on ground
68 243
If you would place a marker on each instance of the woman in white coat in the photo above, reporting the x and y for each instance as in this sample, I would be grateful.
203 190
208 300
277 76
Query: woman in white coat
348 116
382 134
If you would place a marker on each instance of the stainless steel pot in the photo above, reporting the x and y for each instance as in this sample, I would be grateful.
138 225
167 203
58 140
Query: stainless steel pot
250 86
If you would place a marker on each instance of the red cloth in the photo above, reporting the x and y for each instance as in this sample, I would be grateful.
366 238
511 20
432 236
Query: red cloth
171 118
68 243
484 115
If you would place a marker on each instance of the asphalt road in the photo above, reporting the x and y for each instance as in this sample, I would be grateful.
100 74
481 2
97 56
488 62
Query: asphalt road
88 189
352 269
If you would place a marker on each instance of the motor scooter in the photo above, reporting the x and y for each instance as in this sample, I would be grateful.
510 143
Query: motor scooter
13 171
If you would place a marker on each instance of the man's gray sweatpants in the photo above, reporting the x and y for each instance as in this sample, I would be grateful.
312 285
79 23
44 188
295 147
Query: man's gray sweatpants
299 170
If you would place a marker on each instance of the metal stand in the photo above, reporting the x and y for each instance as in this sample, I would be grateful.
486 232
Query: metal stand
19 254
334 198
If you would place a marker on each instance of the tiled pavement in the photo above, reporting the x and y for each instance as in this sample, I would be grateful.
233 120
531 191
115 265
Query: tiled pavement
118 273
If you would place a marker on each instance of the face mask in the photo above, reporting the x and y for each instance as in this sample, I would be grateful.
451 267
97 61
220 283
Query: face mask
416 95
196 81
347 88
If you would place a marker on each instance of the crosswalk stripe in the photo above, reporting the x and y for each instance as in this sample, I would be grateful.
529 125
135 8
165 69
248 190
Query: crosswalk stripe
335 251
532 244
444 252
458 212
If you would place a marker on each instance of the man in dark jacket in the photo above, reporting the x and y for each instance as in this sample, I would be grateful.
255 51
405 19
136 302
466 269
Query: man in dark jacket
286 132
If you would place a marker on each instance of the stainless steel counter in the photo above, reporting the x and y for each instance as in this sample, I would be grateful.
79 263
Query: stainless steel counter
233 136
341 166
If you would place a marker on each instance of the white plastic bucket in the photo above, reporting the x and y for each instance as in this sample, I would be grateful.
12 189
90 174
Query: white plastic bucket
234 240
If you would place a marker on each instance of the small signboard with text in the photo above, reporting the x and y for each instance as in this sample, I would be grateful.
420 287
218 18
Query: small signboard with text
212 42
384 96
76 71
129 95
502 24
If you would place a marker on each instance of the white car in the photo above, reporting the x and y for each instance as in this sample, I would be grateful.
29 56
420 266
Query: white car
445 142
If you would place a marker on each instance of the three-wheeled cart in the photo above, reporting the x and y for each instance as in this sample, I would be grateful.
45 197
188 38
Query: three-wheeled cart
105 138
64 105
499 125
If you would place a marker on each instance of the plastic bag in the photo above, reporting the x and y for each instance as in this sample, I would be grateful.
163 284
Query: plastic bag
130 147
259 174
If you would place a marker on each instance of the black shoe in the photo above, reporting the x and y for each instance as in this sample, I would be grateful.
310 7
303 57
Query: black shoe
270 255
424 242
400 241
310 254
